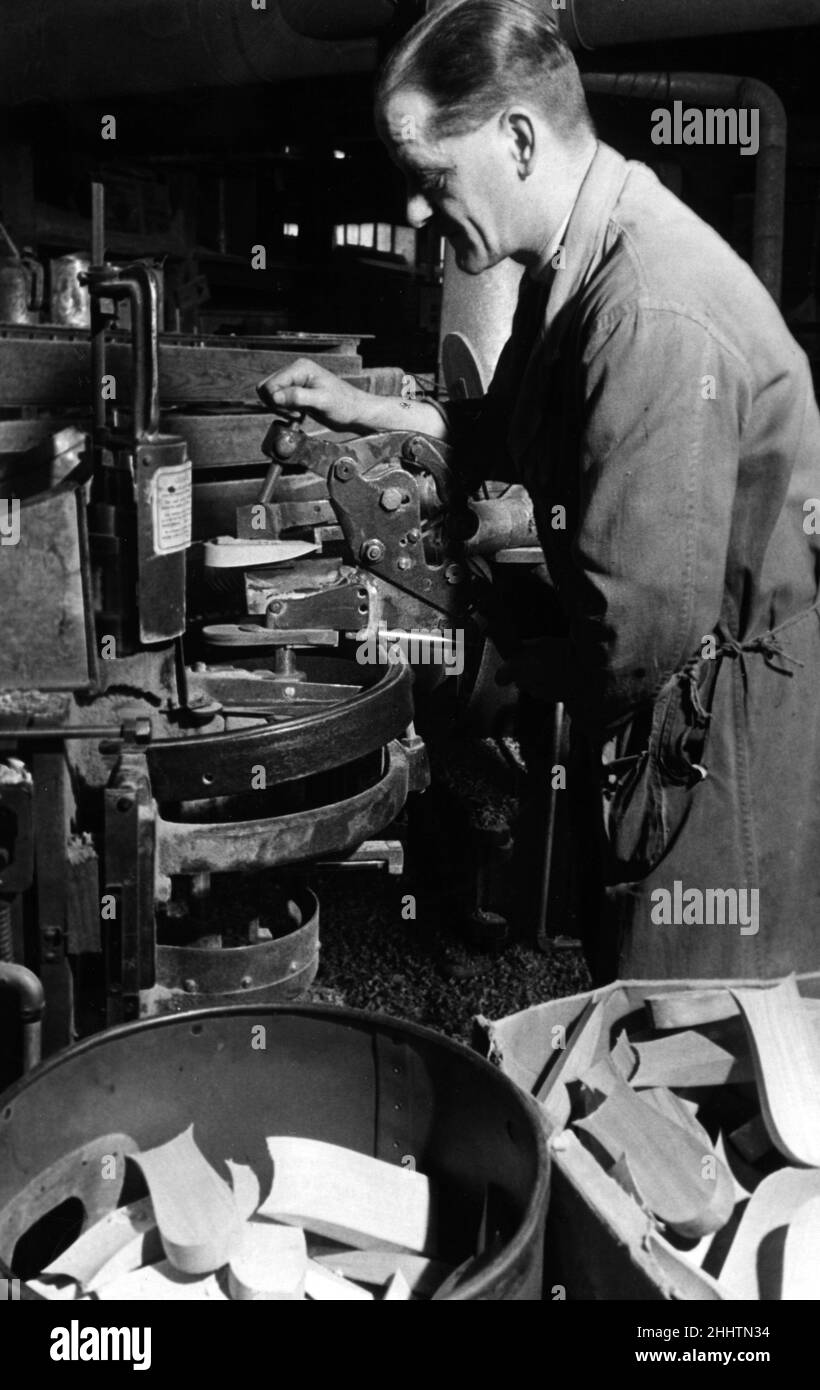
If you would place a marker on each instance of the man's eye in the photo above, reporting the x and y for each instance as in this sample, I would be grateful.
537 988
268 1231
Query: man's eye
433 183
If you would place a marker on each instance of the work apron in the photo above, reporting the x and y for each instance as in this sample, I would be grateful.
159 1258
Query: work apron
708 794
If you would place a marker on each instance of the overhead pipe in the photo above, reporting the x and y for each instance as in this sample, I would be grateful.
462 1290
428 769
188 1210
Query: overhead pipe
601 23
721 90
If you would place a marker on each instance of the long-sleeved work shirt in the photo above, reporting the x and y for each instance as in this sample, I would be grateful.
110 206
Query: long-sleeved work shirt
662 417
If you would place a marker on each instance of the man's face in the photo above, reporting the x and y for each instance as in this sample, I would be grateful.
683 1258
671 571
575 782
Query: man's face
467 184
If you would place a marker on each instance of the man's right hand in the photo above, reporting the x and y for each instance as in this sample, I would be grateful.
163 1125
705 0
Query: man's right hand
339 406
304 385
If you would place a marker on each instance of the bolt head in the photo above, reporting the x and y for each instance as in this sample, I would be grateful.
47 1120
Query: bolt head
373 551
390 499
404 562
246 982
189 986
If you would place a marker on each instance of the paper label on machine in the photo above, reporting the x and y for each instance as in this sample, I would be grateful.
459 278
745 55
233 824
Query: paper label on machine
171 496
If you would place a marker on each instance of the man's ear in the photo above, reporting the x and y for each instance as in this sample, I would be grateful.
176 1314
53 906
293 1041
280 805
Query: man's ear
521 129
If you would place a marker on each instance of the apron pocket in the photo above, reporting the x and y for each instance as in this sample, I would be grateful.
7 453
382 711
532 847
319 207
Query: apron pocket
648 795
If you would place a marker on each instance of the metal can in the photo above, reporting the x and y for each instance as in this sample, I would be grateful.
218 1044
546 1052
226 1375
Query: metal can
70 304
21 288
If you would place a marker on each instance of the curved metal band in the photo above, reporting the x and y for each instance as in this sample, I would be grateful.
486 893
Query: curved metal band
245 846
189 769
243 969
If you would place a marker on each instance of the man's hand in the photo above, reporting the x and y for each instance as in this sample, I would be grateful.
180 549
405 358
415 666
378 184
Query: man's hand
334 403
324 396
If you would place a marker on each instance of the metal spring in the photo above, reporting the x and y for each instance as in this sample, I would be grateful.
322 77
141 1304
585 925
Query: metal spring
6 940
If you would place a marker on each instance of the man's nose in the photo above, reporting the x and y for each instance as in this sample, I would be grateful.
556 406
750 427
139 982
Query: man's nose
419 210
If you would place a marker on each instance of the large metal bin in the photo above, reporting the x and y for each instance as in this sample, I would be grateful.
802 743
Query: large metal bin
395 1090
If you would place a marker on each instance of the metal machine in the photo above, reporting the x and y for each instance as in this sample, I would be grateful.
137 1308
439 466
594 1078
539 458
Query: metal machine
182 738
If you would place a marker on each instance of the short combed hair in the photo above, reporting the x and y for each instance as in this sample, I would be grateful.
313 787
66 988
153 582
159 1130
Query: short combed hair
472 57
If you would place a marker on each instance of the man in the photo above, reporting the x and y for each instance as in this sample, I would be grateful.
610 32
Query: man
662 417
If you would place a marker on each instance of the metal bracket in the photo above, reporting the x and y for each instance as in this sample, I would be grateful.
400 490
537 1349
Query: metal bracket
345 607
380 514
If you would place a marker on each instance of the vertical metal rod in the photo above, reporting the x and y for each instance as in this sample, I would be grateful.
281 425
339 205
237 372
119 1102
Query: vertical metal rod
97 316
542 935
97 223
183 695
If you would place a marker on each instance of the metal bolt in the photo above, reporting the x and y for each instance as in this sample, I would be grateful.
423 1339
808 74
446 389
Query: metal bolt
344 470
125 803
404 562
275 607
245 982
413 537
290 692
373 551
189 986
52 934
390 499
454 574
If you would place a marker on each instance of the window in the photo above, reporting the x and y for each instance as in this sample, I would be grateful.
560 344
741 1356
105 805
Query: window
290 229
381 236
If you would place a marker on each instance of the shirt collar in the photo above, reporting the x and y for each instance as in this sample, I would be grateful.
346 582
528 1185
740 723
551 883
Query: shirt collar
586 220
545 261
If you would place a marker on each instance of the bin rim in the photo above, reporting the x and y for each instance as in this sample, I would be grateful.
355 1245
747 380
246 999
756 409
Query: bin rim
533 1213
